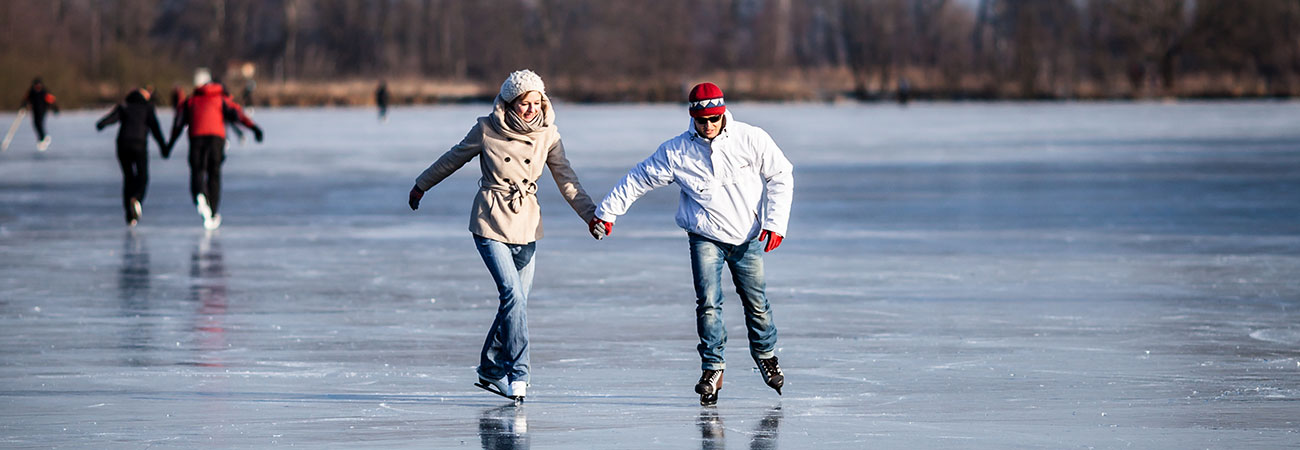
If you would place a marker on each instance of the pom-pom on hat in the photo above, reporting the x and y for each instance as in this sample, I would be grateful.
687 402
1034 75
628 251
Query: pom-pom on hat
520 82
706 100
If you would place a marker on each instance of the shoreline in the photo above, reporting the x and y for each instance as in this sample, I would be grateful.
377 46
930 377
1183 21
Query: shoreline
802 88
839 101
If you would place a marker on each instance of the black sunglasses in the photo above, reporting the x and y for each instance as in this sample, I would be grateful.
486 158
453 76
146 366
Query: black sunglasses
702 120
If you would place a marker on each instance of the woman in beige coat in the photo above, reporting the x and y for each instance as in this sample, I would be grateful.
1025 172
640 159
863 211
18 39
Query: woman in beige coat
512 143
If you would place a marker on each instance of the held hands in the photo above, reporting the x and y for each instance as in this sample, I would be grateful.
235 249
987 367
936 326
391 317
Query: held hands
773 240
414 199
599 228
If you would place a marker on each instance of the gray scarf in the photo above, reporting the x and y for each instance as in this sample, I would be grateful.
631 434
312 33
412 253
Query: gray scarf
518 125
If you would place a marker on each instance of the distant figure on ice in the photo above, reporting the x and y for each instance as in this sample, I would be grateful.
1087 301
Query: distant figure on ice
246 96
40 101
381 99
736 189
178 96
232 122
206 113
139 120
904 91
514 143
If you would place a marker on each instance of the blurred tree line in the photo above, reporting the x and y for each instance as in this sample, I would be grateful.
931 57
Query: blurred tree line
611 50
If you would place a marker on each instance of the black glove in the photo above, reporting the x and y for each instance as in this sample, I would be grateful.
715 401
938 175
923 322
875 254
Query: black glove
257 133
414 199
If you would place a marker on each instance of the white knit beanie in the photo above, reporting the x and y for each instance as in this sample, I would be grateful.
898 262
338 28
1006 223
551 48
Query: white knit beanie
520 82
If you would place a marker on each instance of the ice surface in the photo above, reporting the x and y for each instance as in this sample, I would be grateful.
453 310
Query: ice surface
1047 275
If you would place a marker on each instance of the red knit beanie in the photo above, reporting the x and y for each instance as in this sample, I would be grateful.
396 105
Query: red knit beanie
706 100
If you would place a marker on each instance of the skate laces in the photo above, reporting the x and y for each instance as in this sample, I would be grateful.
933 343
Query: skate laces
770 366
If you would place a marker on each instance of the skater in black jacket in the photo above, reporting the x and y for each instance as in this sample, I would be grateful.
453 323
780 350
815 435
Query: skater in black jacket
41 101
139 120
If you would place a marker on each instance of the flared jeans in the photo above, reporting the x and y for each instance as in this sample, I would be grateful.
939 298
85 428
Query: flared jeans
505 351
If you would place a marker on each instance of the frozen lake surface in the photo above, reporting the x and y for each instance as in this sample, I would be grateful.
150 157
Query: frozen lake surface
1048 275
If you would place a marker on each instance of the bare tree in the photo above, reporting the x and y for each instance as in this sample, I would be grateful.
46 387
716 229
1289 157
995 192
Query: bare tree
638 50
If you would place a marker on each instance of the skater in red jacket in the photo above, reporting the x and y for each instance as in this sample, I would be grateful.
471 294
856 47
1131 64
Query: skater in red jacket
206 113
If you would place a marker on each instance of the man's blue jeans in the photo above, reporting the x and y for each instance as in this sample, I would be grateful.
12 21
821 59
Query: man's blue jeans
746 264
505 351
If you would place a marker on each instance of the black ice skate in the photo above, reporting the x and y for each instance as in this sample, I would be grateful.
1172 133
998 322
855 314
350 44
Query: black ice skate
771 372
708 387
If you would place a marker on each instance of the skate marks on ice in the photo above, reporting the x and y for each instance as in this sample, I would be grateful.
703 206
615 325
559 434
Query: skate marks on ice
1277 336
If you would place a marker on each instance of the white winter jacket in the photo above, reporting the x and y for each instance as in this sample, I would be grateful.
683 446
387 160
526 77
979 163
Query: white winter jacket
732 187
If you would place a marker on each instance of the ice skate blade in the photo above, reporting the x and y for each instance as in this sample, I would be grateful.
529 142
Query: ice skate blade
708 400
494 390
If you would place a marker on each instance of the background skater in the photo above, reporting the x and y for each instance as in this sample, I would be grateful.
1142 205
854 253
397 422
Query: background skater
205 114
381 100
40 101
138 120
725 168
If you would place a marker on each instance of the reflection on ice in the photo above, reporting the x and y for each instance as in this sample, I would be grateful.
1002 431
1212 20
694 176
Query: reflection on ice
504 428
208 291
713 432
134 297
766 432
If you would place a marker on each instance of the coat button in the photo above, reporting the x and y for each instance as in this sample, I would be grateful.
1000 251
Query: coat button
507 159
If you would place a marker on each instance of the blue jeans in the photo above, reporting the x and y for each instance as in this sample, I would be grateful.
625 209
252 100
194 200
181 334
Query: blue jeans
746 264
505 351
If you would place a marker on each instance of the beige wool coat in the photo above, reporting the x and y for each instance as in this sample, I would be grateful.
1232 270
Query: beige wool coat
505 208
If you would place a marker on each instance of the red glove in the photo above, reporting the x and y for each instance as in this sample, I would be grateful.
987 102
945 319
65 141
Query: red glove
773 240
414 199
599 228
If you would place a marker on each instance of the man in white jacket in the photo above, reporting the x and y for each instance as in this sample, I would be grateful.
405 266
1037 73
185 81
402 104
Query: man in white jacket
736 189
